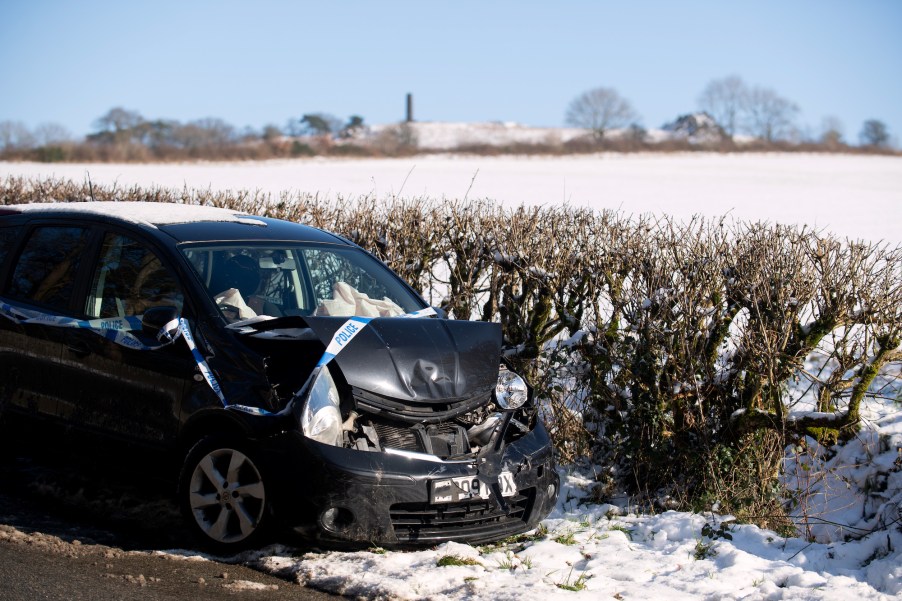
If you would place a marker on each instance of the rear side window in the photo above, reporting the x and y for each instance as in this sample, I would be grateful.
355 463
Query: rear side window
129 280
45 272
7 235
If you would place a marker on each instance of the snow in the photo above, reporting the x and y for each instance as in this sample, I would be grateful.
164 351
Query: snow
848 195
149 214
247 585
607 551
850 544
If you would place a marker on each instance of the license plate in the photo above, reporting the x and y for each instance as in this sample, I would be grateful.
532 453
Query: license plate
467 488
506 480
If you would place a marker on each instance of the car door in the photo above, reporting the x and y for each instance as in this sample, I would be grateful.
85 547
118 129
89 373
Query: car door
41 282
132 393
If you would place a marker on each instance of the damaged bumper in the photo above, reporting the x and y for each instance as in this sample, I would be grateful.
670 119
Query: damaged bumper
340 495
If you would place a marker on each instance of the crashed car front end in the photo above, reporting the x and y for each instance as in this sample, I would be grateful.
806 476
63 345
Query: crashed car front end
398 499
414 435
384 423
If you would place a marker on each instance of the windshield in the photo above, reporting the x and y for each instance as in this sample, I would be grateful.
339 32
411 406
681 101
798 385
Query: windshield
277 280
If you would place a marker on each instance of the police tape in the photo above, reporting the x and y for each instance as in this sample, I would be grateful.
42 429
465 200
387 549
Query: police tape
340 339
118 329
115 329
205 370
354 326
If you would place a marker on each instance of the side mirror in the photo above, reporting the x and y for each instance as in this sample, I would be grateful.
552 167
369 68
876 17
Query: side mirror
156 318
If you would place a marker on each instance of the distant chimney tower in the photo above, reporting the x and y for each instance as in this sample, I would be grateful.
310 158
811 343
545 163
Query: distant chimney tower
410 108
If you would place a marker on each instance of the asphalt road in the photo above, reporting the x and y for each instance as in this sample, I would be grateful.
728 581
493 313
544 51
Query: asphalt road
67 533
30 571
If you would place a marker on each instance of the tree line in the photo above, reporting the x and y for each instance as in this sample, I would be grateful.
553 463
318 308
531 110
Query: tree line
731 107
735 107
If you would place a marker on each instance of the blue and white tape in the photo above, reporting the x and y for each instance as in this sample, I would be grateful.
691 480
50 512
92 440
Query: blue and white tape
340 339
349 330
118 330
205 370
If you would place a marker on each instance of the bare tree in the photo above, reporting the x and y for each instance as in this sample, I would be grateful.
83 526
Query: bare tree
293 127
157 133
769 116
724 99
874 133
46 134
204 133
600 109
15 135
832 132
271 132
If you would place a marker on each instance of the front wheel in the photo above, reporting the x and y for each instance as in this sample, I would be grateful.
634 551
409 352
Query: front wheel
223 494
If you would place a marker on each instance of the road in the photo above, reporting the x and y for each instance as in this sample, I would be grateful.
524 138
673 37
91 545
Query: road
69 537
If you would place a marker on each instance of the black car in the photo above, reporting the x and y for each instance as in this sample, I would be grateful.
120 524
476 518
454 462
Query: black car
296 379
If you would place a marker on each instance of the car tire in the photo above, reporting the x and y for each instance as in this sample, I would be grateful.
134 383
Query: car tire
223 494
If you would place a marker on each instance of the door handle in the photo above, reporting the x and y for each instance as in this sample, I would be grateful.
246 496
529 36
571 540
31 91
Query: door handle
79 348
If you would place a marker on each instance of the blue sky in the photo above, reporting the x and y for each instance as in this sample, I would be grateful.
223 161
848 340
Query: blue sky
265 61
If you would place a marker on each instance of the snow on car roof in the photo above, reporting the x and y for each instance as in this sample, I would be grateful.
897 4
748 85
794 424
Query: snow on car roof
150 214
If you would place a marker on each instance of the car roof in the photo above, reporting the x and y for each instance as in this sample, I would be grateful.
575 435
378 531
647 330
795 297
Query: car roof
184 223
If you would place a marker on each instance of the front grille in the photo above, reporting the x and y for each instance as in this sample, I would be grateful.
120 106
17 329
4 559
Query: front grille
398 437
475 520
444 440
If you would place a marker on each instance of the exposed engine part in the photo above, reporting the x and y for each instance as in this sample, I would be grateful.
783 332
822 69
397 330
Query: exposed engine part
350 424
520 425
481 433
477 416
370 436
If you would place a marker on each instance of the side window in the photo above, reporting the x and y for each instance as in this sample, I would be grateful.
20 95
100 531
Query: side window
343 286
129 279
45 272
327 268
7 235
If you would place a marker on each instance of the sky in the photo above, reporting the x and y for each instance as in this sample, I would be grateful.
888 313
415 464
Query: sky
268 61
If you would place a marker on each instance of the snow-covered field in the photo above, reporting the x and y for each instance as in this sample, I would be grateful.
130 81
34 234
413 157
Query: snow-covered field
851 196
603 551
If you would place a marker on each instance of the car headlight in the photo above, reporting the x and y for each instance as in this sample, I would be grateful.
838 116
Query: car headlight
511 391
321 418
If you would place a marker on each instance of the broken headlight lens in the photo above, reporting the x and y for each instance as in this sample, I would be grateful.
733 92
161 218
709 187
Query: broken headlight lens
321 418
511 391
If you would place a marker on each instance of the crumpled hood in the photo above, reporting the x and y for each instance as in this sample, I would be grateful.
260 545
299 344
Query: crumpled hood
418 360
